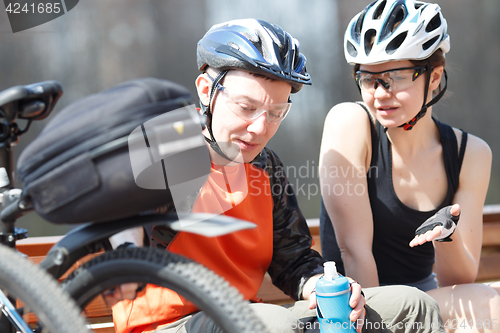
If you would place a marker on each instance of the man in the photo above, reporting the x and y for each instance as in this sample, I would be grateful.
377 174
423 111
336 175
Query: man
250 68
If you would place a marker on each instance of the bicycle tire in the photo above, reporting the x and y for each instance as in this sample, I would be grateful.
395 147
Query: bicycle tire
40 295
208 291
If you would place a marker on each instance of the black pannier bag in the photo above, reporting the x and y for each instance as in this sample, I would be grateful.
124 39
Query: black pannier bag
116 154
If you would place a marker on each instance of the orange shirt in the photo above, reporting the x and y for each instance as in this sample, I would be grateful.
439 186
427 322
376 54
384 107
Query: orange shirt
242 257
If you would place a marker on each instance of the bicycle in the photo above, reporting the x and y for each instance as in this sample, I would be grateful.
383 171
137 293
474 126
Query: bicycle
29 297
141 265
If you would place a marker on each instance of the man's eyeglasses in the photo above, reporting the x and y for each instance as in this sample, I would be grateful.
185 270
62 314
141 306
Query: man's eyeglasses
249 109
393 80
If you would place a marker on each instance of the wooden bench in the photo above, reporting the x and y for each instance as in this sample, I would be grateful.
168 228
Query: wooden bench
489 267
489 264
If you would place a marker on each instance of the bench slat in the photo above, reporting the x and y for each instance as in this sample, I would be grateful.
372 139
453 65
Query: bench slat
489 268
271 294
491 233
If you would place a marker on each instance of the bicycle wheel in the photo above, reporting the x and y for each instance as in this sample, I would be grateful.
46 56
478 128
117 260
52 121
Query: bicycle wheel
36 297
209 292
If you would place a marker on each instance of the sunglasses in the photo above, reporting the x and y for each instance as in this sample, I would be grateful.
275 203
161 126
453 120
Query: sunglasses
393 80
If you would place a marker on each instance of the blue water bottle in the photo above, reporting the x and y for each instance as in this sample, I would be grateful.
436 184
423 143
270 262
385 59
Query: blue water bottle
332 294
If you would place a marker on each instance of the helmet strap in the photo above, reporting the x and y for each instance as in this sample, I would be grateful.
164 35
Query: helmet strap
409 125
207 111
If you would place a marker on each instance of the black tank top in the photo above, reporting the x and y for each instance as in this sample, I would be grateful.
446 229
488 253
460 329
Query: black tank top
395 223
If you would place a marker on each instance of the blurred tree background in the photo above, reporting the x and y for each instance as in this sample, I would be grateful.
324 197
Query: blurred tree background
103 42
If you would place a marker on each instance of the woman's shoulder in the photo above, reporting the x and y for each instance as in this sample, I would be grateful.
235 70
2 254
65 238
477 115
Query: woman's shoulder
347 131
349 116
349 108
477 151
475 144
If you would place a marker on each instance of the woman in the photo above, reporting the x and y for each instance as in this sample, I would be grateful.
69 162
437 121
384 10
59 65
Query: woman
387 166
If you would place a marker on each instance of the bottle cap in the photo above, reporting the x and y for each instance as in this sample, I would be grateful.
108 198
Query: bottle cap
330 270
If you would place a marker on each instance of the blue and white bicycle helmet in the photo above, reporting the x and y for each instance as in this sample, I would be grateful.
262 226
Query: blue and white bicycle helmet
389 30
254 45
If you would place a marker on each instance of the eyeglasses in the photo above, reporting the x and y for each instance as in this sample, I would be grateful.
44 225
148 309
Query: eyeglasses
249 109
393 80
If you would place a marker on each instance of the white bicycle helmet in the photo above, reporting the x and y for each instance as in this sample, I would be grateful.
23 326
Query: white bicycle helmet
389 30
395 30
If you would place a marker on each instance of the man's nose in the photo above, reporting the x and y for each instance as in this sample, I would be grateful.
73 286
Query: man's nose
259 124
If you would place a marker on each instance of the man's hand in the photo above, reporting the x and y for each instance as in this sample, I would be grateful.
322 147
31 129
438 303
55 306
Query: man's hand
127 238
438 227
125 291
357 303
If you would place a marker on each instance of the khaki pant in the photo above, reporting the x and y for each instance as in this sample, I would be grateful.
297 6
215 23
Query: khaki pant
390 309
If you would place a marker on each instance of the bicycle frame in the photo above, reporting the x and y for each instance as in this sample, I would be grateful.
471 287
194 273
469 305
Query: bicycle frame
30 102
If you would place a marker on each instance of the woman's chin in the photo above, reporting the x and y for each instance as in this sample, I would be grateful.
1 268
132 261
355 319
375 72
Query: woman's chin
388 123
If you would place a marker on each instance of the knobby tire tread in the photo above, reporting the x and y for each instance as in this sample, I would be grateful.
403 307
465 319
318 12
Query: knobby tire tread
204 288
40 293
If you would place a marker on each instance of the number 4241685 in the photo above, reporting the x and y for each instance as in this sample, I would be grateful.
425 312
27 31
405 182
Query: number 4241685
40 8
473 324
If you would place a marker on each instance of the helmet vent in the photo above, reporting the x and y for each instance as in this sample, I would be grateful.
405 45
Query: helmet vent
356 32
380 9
351 49
396 43
250 37
286 52
396 17
429 43
434 24
421 5
369 39
295 57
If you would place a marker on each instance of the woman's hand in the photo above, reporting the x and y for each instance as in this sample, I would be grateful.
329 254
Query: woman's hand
443 225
